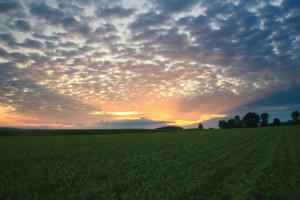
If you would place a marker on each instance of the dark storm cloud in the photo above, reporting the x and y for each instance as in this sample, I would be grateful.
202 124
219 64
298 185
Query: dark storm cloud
22 25
117 11
9 6
133 123
174 6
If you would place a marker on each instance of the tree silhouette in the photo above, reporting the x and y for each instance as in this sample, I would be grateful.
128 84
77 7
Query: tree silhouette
223 124
200 126
251 119
231 123
238 122
276 122
237 119
264 119
295 117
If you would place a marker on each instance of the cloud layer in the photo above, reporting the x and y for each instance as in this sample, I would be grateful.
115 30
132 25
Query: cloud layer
167 60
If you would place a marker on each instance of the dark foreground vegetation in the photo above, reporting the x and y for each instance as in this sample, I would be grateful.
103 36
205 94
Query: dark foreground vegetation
251 119
58 132
254 163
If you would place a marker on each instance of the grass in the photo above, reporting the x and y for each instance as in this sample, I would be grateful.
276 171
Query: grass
255 163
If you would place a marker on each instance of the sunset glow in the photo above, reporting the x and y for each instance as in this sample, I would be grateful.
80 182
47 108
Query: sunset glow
145 64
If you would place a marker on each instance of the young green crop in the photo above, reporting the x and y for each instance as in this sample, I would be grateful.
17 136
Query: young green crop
254 163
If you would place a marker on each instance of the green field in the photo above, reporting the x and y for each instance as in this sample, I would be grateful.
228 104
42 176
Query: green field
254 163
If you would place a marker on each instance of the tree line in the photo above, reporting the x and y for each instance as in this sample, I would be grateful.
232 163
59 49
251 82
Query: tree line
251 119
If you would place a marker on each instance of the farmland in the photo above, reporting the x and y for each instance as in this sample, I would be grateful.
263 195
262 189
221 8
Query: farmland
254 163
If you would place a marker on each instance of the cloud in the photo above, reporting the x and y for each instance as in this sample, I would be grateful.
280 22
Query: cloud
291 4
147 20
69 21
33 44
114 12
172 39
82 30
18 57
71 8
295 22
9 39
48 13
3 52
45 37
132 124
55 16
174 6
27 97
106 28
9 6
22 25
147 34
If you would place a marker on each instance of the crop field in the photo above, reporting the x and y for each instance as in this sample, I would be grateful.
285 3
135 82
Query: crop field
254 163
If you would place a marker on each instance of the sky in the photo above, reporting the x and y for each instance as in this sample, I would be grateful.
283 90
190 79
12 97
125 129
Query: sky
146 63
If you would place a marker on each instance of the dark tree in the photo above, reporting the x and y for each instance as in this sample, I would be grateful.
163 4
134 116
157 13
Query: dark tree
200 126
223 124
264 119
295 117
276 122
231 123
251 119
238 122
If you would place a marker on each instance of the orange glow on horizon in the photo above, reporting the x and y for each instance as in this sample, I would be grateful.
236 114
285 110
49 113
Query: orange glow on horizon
202 119
155 109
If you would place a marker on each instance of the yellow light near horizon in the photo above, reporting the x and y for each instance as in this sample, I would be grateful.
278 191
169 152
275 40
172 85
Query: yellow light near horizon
202 119
128 118
114 113
9 116
125 113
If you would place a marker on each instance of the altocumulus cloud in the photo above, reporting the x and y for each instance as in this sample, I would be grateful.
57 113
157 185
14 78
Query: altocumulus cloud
9 6
168 60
